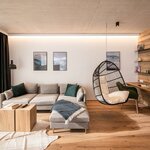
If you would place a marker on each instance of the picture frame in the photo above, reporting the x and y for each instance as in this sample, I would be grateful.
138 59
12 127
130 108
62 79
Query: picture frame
113 56
39 61
59 61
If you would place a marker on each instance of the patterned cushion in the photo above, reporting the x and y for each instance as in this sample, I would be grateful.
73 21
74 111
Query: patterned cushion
8 94
80 95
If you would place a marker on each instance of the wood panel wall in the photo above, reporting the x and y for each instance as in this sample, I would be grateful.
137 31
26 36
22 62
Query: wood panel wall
144 38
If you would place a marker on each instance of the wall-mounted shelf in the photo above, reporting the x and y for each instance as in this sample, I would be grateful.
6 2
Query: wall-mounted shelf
144 73
143 50
143 61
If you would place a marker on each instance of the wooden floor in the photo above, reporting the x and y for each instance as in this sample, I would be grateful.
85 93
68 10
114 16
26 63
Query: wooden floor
110 128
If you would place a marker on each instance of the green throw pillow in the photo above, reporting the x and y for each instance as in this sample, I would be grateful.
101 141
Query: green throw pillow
19 90
71 90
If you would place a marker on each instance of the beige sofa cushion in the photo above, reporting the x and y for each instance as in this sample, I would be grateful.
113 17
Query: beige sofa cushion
8 94
24 99
48 88
31 88
44 99
62 88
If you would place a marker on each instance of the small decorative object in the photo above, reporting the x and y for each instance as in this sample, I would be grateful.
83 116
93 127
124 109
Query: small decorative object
113 56
40 61
60 61
138 69
140 47
139 59
12 65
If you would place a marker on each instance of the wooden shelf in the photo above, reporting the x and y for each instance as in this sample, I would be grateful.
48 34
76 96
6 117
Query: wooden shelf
144 56
143 51
144 73
142 61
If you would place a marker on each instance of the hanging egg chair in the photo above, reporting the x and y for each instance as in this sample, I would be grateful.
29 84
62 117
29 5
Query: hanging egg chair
105 79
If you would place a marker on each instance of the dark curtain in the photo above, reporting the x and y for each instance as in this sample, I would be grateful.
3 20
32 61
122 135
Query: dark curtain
5 77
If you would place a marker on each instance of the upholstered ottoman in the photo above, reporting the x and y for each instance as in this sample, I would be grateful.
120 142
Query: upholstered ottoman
79 122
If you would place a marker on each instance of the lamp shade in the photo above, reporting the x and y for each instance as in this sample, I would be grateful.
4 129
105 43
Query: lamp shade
12 65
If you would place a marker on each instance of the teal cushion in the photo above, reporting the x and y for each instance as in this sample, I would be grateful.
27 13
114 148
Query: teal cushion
71 90
19 90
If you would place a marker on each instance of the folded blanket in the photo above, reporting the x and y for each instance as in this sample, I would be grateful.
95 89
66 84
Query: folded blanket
67 109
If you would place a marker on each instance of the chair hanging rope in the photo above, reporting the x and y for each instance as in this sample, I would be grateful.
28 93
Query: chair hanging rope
105 77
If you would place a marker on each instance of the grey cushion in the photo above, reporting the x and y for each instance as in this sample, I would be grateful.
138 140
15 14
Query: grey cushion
44 99
24 99
31 88
62 88
8 94
48 88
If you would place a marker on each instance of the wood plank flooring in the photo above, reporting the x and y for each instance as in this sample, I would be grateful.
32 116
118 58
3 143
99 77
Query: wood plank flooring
110 128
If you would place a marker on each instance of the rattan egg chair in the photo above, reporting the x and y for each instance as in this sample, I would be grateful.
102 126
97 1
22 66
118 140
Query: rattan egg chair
105 77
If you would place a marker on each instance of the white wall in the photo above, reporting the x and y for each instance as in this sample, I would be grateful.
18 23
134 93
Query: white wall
3 32
84 55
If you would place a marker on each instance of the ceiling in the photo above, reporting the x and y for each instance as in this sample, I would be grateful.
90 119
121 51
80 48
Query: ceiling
74 16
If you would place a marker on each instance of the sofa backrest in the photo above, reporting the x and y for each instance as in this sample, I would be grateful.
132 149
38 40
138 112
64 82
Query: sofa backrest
31 88
62 88
48 89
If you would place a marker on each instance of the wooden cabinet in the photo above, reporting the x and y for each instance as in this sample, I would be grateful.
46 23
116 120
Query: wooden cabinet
26 118
7 119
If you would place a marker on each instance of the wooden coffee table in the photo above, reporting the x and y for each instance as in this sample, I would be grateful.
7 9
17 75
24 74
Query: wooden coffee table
7 119
25 118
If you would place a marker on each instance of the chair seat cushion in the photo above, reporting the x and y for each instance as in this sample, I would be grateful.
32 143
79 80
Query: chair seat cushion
44 99
116 97
24 99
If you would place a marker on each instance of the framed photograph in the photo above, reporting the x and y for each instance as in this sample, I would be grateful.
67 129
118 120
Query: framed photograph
60 61
113 56
40 61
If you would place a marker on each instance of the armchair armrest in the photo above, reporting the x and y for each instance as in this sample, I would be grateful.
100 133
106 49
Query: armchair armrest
2 98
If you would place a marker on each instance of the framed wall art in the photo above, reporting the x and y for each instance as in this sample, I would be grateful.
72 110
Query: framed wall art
113 56
39 61
60 61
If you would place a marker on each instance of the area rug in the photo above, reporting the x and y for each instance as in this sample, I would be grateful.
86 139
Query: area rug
35 140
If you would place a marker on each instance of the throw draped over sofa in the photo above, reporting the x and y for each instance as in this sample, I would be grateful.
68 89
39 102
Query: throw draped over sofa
105 77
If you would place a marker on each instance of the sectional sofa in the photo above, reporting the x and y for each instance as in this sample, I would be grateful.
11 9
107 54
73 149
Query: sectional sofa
43 96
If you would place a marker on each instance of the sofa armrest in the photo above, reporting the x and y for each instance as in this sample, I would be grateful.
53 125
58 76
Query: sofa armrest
84 92
81 94
2 98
